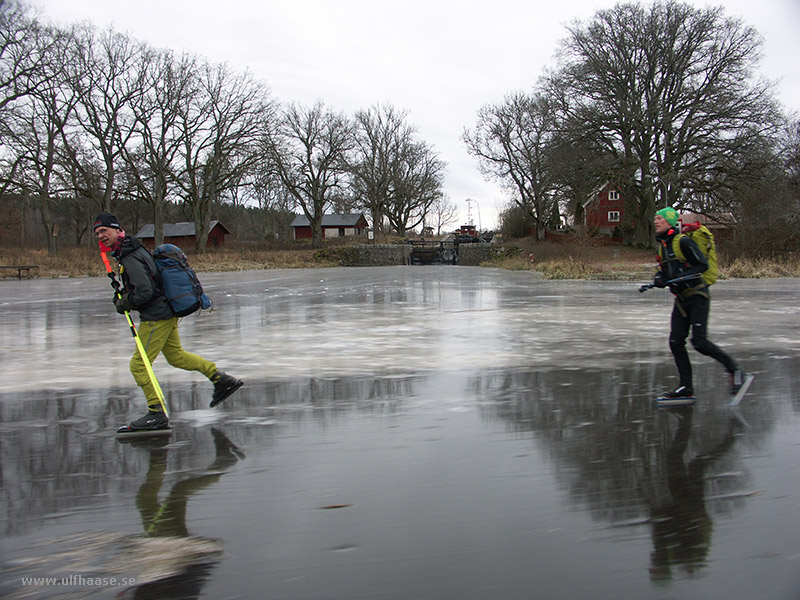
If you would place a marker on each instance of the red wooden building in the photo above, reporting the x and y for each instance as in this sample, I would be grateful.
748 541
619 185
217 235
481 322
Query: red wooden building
333 226
604 209
183 235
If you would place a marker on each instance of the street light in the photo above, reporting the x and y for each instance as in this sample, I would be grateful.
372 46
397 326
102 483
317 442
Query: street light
666 191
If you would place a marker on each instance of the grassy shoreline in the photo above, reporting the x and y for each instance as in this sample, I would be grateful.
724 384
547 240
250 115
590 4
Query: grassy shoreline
553 261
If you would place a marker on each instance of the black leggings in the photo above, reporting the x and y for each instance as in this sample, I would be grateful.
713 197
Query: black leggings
695 316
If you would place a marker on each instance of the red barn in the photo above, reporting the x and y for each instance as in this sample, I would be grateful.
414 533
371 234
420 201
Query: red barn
604 208
183 235
333 226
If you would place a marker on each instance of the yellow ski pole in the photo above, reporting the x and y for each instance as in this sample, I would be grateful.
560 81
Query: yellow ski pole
139 346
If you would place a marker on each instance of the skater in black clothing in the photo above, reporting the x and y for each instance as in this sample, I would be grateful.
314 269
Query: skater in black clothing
692 303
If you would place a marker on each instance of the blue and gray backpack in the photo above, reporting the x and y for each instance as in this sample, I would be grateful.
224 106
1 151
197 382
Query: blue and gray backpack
181 286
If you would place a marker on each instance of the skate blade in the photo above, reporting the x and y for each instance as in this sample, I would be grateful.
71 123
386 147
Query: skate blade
126 432
742 391
675 401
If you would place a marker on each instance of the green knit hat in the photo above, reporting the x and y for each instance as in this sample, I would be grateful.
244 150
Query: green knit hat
669 215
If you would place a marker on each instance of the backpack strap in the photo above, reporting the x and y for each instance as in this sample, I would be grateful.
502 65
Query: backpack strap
701 288
676 247
155 275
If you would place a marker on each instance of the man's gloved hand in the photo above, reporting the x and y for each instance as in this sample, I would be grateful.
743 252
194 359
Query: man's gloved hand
659 280
122 304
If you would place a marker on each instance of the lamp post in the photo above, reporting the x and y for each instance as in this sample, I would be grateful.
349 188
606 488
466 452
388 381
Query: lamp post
666 191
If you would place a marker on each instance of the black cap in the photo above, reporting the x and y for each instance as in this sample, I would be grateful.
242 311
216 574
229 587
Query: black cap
106 220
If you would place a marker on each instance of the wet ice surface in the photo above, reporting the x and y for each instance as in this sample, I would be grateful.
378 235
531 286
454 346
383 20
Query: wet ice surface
405 432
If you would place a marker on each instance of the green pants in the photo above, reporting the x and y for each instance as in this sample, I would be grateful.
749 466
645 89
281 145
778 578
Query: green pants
158 337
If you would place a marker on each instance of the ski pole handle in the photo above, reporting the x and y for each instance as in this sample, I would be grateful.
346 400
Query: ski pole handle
110 273
114 283
648 286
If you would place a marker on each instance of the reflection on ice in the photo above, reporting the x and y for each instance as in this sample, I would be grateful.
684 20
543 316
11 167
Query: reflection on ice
488 432
197 417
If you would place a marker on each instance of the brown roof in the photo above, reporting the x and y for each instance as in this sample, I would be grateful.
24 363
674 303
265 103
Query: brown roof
711 220
183 229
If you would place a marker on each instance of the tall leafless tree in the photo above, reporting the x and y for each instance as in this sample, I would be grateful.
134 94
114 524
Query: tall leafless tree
274 203
33 131
307 149
380 134
667 90
416 183
510 141
443 212
221 124
26 63
150 155
26 60
108 76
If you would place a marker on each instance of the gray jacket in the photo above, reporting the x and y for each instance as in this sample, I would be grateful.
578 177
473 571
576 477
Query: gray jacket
141 281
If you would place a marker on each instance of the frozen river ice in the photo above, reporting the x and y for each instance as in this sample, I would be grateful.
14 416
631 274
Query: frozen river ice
404 432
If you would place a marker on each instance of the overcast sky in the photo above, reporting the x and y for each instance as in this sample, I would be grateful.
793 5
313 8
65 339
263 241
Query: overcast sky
440 60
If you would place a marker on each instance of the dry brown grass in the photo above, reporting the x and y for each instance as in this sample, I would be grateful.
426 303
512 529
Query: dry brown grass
574 261
584 261
553 260
70 262
787 266
86 262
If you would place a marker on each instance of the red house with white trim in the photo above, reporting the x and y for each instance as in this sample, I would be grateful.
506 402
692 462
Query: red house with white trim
604 208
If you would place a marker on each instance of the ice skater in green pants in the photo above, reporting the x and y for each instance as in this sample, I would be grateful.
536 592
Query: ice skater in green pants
158 329
162 337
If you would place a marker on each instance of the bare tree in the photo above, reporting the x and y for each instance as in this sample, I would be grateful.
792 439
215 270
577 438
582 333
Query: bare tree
416 183
443 212
220 124
791 154
150 154
666 89
107 74
510 142
766 212
25 64
380 133
26 60
578 167
307 150
33 132
274 202
397 176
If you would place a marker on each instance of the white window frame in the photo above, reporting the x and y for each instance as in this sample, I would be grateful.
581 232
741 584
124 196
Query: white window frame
613 195
613 216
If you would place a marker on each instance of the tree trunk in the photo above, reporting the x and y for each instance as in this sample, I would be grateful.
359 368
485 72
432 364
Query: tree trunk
316 231
49 227
158 223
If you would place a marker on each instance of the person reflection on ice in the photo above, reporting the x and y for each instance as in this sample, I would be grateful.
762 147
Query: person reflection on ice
189 563
682 527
